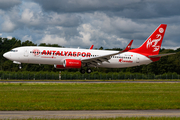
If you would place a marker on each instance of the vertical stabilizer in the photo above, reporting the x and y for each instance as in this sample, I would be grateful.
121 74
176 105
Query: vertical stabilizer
153 44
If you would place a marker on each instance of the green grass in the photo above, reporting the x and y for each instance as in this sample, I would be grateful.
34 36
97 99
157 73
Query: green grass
89 96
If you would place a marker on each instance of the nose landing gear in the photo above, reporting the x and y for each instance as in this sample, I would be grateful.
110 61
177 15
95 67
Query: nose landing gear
20 66
19 63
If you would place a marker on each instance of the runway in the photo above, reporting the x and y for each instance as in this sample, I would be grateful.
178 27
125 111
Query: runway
88 114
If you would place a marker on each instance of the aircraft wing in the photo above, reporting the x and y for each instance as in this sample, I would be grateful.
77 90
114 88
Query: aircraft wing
99 59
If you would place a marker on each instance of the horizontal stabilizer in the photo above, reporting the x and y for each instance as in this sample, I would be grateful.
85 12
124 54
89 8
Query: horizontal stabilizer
160 55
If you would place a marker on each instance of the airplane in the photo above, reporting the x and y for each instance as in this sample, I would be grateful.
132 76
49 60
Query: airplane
66 58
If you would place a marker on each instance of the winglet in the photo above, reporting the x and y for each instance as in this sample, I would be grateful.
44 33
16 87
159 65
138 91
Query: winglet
128 46
91 47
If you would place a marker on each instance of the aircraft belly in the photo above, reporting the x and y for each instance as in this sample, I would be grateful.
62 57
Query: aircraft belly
117 65
47 60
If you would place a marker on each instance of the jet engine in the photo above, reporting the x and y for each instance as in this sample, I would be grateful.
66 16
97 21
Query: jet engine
72 63
69 63
59 67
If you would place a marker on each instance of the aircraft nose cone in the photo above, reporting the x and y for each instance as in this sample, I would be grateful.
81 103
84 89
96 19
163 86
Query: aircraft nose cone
6 55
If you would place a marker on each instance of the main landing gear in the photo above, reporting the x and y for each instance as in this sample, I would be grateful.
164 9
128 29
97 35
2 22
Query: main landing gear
83 70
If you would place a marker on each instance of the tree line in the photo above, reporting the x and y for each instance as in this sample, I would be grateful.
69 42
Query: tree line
65 75
164 65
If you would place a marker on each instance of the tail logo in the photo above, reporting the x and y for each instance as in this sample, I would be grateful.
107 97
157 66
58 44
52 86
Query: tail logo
161 30
153 43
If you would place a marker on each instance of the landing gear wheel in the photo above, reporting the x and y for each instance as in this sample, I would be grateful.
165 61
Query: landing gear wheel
20 66
89 70
82 71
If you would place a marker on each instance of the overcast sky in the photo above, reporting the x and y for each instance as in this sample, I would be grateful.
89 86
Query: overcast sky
81 23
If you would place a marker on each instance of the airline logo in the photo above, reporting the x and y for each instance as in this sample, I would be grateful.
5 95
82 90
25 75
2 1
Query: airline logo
37 53
161 30
126 61
154 43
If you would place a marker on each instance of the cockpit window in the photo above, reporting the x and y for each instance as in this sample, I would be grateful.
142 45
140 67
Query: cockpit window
14 50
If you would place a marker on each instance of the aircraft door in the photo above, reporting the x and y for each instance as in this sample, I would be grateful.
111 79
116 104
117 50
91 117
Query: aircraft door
137 58
26 52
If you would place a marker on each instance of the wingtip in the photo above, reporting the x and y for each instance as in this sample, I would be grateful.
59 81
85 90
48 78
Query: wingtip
91 47
128 46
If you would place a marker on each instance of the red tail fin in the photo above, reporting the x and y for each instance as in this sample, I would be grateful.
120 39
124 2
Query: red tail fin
153 44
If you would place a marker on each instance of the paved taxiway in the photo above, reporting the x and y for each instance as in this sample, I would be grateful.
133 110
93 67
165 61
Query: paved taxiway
88 114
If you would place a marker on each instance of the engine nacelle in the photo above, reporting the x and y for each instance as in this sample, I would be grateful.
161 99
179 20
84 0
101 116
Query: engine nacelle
59 67
72 63
69 63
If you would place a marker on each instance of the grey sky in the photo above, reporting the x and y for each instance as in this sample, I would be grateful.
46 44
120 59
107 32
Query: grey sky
81 23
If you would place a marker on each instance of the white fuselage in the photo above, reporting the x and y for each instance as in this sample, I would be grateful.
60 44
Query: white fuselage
56 56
